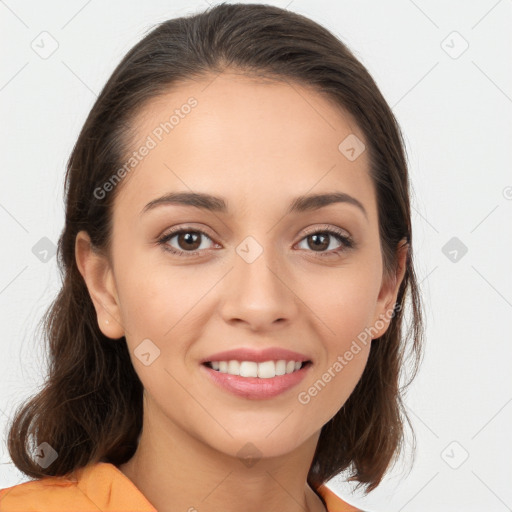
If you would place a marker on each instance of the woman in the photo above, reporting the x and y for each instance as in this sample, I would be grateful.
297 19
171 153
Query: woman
236 258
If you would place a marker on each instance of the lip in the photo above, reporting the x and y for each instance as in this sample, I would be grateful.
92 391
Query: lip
258 356
254 388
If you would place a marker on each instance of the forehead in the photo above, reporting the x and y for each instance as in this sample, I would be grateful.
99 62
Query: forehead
247 139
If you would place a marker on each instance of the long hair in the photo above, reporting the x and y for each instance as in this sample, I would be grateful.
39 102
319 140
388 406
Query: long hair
90 407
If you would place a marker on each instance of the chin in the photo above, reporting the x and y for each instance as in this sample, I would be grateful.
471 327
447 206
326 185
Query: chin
252 445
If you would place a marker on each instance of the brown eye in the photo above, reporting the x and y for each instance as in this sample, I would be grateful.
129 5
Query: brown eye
188 241
318 241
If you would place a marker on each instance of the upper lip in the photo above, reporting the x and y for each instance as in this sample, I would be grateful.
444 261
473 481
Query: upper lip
256 355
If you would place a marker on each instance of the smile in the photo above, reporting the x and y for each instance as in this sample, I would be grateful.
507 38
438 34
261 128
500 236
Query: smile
263 370
253 380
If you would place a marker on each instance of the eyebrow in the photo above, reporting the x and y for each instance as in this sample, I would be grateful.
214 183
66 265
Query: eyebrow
218 204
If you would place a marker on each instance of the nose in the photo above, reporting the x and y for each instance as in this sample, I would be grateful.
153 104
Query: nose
259 293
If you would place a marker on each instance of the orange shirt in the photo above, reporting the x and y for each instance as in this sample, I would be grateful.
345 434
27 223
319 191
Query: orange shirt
100 487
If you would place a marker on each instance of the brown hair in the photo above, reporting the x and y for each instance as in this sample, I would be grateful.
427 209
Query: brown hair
90 408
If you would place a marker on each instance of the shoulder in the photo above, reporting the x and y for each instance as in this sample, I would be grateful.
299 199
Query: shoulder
99 486
57 494
333 502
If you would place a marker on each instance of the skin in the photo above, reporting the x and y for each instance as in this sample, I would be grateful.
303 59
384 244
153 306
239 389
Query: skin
259 145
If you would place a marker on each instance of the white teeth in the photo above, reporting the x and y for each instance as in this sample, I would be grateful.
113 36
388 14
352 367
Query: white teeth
280 367
234 367
247 369
265 370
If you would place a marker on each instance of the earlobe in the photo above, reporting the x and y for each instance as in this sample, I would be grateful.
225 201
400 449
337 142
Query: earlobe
98 276
388 294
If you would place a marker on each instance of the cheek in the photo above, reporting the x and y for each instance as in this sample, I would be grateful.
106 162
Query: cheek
334 381
155 301
343 307
343 301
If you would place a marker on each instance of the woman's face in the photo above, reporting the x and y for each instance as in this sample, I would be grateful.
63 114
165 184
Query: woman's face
257 274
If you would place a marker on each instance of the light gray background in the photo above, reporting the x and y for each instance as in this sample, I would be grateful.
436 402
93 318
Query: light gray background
455 111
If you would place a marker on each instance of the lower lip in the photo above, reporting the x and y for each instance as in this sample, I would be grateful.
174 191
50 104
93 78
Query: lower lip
255 388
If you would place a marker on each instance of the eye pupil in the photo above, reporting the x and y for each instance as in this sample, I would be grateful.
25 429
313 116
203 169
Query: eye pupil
190 238
319 244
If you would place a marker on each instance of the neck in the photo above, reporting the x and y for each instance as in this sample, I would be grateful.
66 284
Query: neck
175 471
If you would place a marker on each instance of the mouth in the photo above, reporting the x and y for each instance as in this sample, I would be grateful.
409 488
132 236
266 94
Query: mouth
256 380
262 370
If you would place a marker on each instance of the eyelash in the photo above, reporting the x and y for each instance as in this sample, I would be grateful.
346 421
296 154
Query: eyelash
346 241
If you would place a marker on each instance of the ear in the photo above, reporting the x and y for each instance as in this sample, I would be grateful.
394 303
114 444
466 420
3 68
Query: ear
99 279
388 293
